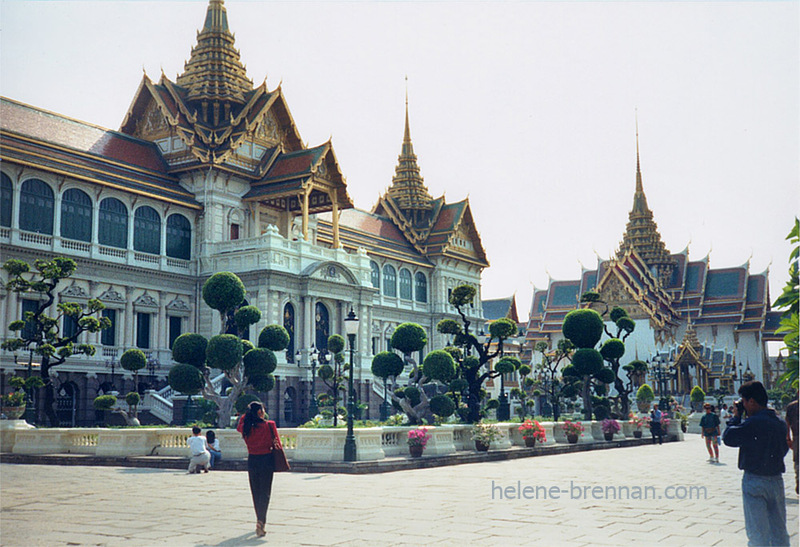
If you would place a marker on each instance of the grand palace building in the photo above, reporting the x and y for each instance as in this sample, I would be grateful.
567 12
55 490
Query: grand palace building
208 173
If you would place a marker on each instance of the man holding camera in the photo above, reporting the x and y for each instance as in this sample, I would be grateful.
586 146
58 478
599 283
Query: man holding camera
761 439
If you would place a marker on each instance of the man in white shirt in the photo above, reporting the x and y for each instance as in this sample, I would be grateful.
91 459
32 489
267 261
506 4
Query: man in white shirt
198 452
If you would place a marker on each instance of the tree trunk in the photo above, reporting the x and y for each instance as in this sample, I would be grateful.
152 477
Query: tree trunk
49 394
474 398
587 400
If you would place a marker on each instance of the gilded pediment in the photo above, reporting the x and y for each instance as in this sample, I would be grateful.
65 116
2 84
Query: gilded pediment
615 293
152 125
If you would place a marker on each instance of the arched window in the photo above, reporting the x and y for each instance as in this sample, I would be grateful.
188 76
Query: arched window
147 231
376 274
405 284
36 207
179 237
321 327
389 281
76 215
113 224
288 324
420 287
6 200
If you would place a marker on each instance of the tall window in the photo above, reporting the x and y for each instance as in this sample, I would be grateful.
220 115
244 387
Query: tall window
389 281
70 326
322 327
29 330
143 330
108 337
113 228
376 274
76 215
147 231
234 231
405 284
179 237
36 207
420 287
288 324
175 324
6 200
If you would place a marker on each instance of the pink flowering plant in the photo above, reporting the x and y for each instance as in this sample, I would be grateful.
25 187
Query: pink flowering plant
531 429
610 426
636 421
572 428
418 437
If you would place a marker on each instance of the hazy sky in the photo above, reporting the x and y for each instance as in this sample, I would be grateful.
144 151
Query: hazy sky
528 108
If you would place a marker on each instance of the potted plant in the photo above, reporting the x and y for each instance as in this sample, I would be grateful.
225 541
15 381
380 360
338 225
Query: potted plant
684 418
532 431
637 424
417 439
13 405
610 427
697 397
483 435
644 396
572 430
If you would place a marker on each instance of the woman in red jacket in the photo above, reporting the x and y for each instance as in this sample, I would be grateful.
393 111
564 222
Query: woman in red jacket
260 436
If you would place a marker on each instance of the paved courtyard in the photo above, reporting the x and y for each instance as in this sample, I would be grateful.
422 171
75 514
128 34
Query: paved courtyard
554 500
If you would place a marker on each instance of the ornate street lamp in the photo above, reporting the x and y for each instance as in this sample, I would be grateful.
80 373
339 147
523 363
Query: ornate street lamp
313 356
351 328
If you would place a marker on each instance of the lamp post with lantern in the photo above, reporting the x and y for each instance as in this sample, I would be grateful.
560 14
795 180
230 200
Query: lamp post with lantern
314 356
351 328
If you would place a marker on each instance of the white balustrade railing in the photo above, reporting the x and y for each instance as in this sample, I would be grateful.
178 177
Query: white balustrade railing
158 406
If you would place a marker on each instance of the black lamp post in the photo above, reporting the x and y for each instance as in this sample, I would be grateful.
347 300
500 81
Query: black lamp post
504 409
112 364
152 366
313 355
351 328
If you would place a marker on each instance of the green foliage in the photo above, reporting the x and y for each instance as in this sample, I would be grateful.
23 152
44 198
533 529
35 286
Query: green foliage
247 345
470 362
789 301
455 353
606 375
17 382
335 344
645 394
325 372
387 364
492 404
274 337
412 394
224 351
612 349
408 338
587 361
439 365
190 349
462 295
626 324
244 401
259 362
524 370
246 316
186 379
449 326
506 365
442 406
133 359
223 291
583 328
459 385
262 382
697 395
617 313
133 399
503 328
104 402
590 296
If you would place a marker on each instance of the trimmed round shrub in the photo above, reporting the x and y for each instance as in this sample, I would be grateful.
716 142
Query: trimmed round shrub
335 343
246 316
412 394
590 296
223 291
387 364
587 361
185 379
569 370
244 401
448 326
697 395
133 360
273 337
262 382
133 398
104 402
503 328
606 375
439 365
408 338
470 362
442 405
583 328
462 295
224 351
455 353
190 349
507 365
247 345
459 385
524 370
258 362
617 313
492 404
645 393
626 323
325 372
612 349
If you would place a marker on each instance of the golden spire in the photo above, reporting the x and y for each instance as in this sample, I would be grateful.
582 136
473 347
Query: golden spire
214 73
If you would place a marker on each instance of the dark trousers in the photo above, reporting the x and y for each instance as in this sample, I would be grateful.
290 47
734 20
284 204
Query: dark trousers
260 468
655 430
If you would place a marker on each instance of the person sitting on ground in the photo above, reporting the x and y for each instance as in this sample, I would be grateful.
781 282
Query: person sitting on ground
213 448
710 428
198 450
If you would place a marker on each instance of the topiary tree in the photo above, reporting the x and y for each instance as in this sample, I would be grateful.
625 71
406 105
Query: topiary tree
334 376
645 396
108 402
133 360
442 406
555 383
225 292
385 365
697 396
40 333
506 365
473 367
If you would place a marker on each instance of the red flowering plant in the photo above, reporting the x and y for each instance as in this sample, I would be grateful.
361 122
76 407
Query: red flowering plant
531 429
572 428
636 421
418 437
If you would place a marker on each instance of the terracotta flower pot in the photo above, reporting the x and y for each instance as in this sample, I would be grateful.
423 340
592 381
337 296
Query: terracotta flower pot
572 438
530 442
416 451
481 447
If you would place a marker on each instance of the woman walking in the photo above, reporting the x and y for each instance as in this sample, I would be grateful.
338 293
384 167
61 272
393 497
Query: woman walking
260 436
710 424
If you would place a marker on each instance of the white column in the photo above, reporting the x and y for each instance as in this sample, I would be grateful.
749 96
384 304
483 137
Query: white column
161 322
57 214
308 322
128 320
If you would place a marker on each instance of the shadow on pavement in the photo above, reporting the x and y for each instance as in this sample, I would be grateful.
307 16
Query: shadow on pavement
245 539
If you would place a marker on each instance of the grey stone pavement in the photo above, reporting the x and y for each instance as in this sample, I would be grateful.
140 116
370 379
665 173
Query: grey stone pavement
53 505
